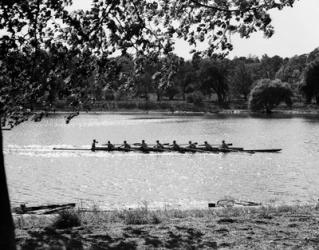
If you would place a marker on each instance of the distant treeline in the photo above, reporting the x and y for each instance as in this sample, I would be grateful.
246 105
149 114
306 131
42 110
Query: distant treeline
87 79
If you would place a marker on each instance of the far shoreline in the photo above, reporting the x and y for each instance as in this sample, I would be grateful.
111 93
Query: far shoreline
229 112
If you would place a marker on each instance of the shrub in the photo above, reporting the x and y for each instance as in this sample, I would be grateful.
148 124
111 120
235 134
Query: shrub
165 105
67 219
197 98
147 105
108 96
267 94
140 216
127 105
171 92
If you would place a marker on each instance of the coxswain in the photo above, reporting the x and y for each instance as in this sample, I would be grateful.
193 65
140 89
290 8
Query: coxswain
224 145
207 146
126 145
191 145
110 146
144 145
175 146
93 145
159 145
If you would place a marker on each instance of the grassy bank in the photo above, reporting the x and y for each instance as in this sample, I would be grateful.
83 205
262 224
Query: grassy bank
292 227
134 105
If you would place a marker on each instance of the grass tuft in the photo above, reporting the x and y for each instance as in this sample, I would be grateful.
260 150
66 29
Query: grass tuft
140 216
67 219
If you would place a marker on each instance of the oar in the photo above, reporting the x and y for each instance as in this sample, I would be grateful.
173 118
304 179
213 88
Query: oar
185 144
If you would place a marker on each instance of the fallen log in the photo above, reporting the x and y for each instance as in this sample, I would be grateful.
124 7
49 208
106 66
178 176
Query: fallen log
23 209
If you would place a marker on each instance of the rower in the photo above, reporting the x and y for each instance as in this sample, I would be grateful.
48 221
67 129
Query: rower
208 146
159 145
144 145
126 145
191 145
175 146
110 146
224 145
93 144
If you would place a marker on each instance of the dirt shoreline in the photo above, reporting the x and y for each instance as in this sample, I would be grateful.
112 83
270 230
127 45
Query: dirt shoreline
284 227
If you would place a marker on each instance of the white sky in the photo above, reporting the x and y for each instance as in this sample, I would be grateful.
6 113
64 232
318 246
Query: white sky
296 32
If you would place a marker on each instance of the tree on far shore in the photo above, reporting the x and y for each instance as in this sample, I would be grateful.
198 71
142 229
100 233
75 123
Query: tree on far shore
241 80
310 85
213 78
268 94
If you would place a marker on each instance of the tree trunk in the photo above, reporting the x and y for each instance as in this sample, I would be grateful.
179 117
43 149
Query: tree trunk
184 96
220 100
7 240
159 96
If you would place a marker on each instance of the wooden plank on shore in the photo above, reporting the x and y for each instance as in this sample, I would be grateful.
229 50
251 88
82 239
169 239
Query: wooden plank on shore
24 209
5 129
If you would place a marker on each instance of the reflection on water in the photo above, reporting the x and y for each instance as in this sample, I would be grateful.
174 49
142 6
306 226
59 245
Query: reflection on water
37 174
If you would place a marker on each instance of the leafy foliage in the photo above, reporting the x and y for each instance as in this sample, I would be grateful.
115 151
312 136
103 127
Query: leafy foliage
310 87
197 98
213 78
292 70
241 80
80 46
270 66
267 94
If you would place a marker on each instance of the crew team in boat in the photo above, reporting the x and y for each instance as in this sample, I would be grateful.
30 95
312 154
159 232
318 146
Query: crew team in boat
161 147
174 146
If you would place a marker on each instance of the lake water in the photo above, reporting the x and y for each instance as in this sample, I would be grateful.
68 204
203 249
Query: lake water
38 175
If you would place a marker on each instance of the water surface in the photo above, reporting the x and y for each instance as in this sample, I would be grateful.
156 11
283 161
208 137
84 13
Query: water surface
38 175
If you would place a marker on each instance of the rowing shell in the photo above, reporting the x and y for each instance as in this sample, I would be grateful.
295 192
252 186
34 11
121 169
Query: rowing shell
275 150
272 150
181 150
